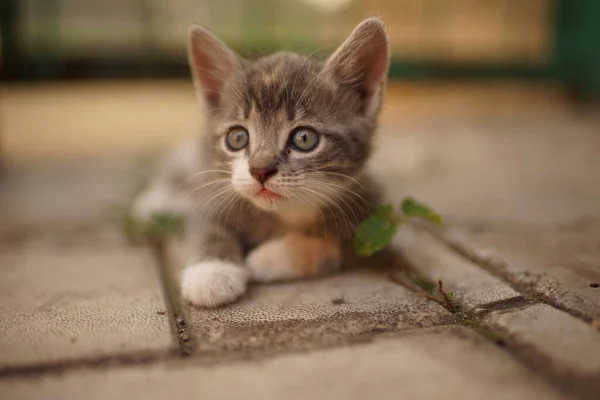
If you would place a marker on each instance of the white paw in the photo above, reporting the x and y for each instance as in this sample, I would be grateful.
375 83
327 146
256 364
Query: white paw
213 283
270 262
159 199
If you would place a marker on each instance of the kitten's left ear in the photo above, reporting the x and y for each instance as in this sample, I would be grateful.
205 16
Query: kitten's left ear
212 64
362 61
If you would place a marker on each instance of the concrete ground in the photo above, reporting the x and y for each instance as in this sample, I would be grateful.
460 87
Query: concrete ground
514 170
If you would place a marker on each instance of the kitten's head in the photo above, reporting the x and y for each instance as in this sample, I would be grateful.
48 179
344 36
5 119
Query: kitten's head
292 130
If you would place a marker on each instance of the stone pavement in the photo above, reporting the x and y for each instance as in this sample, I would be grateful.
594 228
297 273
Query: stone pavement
84 314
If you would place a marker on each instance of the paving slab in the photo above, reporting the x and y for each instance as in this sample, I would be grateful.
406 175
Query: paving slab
473 288
63 197
67 303
313 313
446 362
553 340
496 168
560 264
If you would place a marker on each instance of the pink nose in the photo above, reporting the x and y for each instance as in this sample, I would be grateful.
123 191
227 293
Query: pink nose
262 174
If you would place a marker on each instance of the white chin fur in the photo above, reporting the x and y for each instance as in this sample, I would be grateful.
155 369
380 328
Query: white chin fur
266 204
213 283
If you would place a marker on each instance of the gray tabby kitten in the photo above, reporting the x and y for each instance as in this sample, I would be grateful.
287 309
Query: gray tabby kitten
276 185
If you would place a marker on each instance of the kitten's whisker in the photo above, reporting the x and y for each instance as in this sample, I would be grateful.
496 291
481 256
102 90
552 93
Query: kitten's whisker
291 92
206 171
227 198
241 74
229 207
189 179
317 172
339 196
199 207
242 204
345 217
330 201
218 198
343 187
207 200
195 189
237 100
348 191
221 199
319 200
349 224
297 196
216 109
308 86
221 79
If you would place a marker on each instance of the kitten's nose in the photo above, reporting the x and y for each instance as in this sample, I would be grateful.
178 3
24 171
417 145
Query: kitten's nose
262 174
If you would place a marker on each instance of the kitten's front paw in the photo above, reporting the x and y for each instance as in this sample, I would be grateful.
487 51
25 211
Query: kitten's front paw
213 283
270 262
293 256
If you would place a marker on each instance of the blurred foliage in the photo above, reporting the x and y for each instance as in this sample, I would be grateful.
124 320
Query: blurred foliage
548 39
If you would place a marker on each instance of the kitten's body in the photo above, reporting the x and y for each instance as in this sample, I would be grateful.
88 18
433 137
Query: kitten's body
275 206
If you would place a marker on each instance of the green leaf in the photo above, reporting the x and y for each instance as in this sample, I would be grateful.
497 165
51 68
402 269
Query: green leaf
386 212
376 231
414 208
159 225
167 223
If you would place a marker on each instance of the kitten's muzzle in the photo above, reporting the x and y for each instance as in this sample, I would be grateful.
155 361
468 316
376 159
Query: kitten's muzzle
262 174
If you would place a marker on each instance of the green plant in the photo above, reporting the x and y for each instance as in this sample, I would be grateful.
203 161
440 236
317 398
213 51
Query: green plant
379 229
158 226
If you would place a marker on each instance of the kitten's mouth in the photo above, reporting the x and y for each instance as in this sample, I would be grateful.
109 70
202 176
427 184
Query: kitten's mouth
267 194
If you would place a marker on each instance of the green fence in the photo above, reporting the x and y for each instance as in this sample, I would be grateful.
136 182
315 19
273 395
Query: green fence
443 39
577 46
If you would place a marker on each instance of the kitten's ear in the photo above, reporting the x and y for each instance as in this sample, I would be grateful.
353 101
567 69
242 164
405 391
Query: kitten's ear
362 61
212 64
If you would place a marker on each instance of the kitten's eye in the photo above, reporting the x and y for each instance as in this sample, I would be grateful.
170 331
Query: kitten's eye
304 139
237 139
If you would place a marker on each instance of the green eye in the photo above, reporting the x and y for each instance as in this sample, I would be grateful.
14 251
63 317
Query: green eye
304 139
237 139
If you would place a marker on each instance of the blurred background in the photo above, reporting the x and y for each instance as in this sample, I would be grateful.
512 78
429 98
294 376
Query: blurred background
491 117
86 77
65 39
491 110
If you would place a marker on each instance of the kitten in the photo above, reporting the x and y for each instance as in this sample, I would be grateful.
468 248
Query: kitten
281 185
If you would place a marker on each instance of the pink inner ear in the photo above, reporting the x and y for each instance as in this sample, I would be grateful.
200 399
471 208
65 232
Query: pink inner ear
212 63
374 59
377 71
363 57
204 68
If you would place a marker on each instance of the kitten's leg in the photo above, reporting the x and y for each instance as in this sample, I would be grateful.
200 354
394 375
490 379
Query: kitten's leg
160 198
217 275
168 192
293 256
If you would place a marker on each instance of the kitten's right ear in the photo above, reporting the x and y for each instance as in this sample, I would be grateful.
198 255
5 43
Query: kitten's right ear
362 62
212 64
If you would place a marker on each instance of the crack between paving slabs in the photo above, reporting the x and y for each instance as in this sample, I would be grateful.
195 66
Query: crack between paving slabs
176 319
61 366
405 273
495 268
475 323
461 317
175 307
400 274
